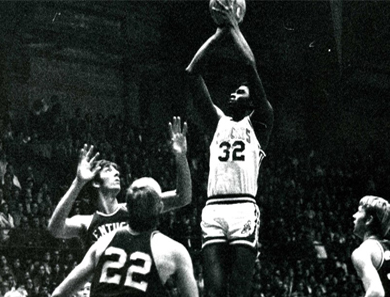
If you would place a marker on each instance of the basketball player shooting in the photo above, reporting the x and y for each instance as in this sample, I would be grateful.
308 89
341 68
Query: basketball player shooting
231 217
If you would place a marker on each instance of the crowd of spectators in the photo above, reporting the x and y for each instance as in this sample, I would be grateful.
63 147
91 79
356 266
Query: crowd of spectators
306 198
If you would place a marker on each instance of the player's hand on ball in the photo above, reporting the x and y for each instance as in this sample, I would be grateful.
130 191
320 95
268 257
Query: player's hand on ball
227 12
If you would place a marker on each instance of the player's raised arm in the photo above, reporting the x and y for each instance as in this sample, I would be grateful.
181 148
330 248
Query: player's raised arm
85 270
60 225
263 112
209 112
263 115
183 194
197 63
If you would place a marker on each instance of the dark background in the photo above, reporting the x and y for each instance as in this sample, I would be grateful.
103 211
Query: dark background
325 64
325 67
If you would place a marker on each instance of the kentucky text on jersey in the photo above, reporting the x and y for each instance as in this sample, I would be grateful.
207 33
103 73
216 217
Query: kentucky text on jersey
107 228
234 133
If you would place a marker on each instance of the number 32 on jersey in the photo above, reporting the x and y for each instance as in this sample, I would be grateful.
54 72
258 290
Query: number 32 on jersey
234 152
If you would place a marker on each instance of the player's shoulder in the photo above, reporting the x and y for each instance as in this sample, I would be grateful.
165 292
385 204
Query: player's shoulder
372 245
82 220
158 237
370 252
167 244
367 250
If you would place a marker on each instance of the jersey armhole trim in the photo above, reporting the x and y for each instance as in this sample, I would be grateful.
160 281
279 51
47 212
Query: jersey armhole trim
382 254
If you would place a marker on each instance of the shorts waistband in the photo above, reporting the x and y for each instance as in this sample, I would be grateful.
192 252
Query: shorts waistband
229 200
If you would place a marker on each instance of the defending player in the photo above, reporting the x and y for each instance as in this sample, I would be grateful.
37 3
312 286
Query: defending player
103 177
136 260
372 258
231 217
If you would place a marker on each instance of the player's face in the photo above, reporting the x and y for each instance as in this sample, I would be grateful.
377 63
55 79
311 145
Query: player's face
240 97
109 177
359 222
84 291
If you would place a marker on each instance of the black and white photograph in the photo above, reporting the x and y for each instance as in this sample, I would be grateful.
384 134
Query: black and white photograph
199 148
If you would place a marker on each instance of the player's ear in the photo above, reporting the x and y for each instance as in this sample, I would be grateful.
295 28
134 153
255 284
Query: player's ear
95 184
369 220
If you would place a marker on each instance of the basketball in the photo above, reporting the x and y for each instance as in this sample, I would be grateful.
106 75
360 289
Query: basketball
239 8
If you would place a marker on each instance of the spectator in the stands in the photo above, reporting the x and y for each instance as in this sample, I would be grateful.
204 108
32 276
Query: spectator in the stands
6 222
44 195
35 223
16 198
84 291
44 221
3 160
56 258
2 196
30 186
46 262
24 223
5 272
29 286
8 186
57 274
3 261
15 180
17 270
29 174
39 276
11 280
4 288
34 209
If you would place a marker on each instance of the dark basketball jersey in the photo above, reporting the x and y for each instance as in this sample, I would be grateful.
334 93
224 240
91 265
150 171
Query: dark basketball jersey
384 268
127 268
102 224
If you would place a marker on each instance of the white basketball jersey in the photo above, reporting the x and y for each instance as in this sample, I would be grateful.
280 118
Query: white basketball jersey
235 159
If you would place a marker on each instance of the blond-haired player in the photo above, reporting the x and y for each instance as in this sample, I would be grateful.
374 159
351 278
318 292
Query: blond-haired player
136 260
104 178
372 258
